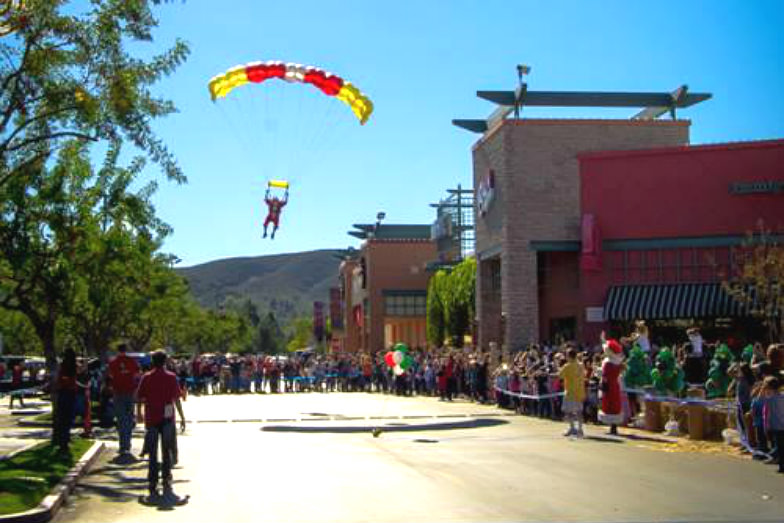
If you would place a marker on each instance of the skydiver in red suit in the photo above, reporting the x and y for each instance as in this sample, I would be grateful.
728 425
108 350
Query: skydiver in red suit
275 206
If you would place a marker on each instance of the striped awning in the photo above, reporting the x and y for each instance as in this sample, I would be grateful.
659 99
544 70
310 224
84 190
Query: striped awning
671 301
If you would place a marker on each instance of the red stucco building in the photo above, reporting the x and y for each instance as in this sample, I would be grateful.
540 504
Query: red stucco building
586 223
665 222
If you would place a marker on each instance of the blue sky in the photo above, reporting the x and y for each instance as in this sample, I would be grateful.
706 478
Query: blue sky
421 63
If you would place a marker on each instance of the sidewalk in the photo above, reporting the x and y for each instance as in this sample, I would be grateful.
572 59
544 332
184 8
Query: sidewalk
12 437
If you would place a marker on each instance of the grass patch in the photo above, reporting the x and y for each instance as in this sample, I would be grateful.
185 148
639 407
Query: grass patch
28 477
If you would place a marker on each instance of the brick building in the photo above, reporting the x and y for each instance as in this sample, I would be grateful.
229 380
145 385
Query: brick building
384 287
527 183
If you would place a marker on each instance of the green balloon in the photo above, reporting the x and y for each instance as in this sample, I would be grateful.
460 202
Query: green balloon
402 347
407 362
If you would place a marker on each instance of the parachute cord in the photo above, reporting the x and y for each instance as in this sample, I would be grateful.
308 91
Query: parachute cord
318 142
333 136
233 127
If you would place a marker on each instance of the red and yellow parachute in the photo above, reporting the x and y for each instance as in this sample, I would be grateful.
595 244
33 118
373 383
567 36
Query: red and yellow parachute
328 83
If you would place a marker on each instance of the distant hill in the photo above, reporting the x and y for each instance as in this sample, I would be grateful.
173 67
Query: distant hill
287 284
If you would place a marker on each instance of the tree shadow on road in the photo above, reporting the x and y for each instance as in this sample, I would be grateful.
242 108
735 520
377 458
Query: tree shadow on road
397 427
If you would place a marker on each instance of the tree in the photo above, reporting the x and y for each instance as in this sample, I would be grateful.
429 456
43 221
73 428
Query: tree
451 303
18 334
461 299
757 281
119 262
41 228
65 77
66 74
436 326
270 335
302 333
160 311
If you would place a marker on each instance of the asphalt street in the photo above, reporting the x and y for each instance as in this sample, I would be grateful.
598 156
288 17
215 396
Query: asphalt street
312 457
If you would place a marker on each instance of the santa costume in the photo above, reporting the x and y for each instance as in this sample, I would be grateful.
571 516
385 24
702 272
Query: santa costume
612 403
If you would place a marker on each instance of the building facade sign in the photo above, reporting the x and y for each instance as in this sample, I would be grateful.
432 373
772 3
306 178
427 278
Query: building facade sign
762 187
335 308
485 194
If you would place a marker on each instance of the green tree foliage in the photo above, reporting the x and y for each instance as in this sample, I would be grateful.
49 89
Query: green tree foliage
451 303
42 234
119 263
66 74
66 80
436 326
266 333
271 339
301 333
18 334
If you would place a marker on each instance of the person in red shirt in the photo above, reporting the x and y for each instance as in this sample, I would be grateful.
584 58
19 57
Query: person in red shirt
159 393
274 205
65 389
16 385
124 376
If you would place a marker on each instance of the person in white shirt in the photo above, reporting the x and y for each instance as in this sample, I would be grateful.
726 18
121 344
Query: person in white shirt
694 367
695 338
642 337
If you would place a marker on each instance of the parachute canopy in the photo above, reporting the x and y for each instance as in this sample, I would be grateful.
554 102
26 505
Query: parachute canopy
328 83
280 184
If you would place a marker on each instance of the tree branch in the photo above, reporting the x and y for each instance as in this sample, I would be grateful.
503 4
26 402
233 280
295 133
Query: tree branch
53 136
28 122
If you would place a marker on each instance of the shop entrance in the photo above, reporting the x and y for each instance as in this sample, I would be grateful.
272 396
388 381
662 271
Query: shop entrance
563 329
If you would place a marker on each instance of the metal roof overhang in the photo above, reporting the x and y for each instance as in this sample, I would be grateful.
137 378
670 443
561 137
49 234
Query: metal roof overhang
653 105
591 99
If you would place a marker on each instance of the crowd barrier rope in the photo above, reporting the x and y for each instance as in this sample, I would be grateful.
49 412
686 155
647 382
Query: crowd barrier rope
648 396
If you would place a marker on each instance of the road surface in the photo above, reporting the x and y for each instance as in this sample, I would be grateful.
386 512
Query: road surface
311 457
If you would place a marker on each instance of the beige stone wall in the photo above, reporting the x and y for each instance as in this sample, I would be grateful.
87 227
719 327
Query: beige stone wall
488 154
393 265
538 198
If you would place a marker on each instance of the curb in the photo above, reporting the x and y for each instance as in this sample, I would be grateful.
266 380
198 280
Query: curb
47 509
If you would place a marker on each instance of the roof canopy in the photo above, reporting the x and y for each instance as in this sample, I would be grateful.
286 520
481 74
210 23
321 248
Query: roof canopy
391 231
653 105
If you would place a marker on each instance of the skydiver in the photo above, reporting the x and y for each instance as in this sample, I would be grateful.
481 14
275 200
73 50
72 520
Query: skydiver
275 206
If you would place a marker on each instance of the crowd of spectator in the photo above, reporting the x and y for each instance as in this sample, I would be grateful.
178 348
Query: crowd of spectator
530 380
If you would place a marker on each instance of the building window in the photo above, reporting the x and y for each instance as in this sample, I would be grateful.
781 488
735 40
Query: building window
405 304
495 275
686 265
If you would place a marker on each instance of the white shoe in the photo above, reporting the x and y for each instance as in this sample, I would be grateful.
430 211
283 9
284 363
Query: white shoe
570 432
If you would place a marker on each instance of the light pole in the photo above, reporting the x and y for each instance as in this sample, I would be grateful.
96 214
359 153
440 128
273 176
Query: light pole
522 87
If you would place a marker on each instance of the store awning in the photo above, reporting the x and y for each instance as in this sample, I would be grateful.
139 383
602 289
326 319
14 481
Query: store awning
671 301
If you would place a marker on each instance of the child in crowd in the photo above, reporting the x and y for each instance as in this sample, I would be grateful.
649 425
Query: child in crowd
501 383
514 388
774 418
572 376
